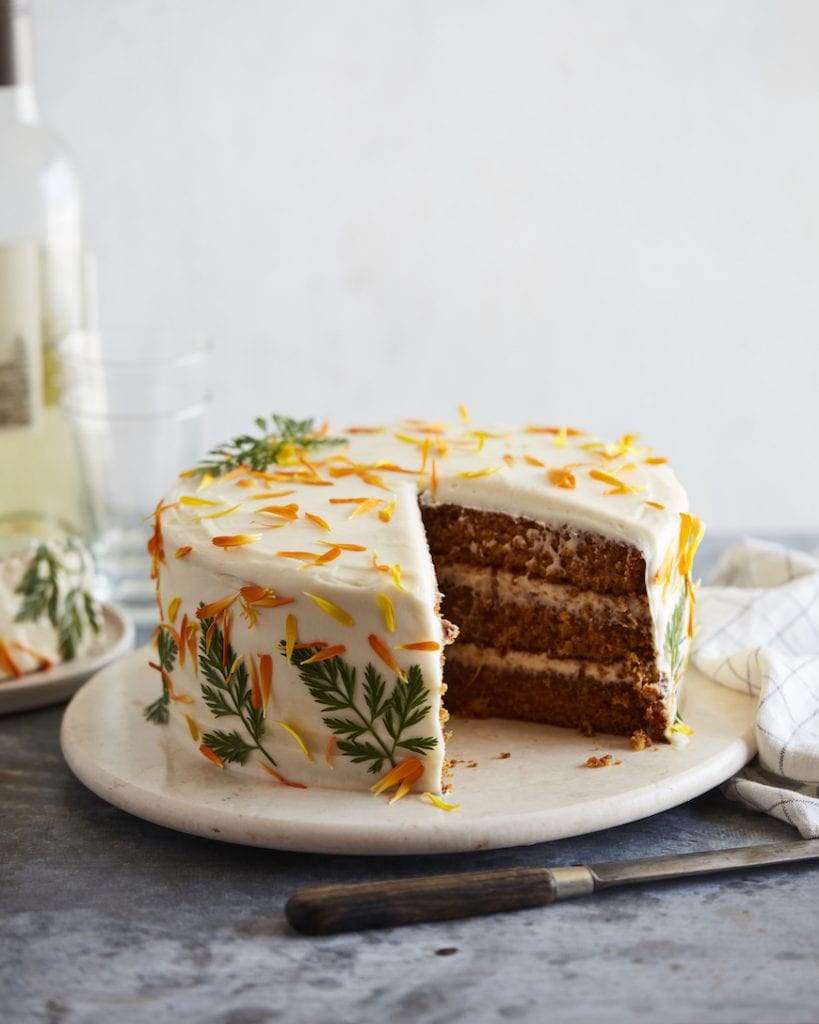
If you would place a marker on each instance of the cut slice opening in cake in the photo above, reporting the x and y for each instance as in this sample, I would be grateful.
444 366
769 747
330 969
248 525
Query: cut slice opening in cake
554 623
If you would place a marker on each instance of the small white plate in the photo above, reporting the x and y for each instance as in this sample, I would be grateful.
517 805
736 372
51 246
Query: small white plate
541 791
38 689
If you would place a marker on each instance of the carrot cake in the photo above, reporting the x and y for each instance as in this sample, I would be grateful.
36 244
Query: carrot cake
300 574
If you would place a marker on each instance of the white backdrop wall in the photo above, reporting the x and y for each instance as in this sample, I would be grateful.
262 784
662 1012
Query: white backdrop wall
596 212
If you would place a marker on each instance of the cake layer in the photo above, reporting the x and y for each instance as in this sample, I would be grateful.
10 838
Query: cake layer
620 697
562 554
497 608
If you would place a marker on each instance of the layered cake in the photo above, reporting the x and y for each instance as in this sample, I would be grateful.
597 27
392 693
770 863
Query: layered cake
309 584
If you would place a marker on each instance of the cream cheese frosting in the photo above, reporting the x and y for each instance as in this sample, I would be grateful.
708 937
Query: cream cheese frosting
46 612
324 551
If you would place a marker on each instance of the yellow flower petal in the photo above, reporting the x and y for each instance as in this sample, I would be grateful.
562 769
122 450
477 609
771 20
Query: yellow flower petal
289 729
331 609
438 802
387 612
486 471
291 633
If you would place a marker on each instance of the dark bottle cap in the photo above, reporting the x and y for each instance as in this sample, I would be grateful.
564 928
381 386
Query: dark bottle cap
14 42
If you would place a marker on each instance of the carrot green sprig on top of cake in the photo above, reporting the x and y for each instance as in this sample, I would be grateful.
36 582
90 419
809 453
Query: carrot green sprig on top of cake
282 440
565 561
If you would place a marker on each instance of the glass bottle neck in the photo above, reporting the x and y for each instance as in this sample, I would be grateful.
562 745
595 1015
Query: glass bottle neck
18 103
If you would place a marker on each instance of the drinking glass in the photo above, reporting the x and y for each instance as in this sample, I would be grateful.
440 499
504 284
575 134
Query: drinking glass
136 400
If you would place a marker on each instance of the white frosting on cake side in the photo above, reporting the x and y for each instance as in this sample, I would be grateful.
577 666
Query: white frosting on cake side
327 549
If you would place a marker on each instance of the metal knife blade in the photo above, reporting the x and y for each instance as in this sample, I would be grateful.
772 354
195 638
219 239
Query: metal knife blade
338 908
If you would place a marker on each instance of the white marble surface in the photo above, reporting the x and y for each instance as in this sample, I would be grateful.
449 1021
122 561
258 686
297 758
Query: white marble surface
107 917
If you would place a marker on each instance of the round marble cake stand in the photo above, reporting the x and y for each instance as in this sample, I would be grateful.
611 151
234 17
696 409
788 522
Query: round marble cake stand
516 783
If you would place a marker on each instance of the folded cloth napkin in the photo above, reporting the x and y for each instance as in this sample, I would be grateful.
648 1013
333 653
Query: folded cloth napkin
758 631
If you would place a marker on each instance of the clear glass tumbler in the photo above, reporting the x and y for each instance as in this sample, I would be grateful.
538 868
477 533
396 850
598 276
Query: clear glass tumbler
136 400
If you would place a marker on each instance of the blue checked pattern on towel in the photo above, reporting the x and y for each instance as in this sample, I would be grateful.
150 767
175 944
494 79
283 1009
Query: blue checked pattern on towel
758 631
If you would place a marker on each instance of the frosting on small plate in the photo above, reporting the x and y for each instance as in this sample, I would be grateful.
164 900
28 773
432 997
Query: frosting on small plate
39 689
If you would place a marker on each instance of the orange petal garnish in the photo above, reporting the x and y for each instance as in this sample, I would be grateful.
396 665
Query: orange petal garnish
385 514
420 645
385 654
210 755
328 556
7 662
216 607
404 775
290 512
265 679
562 477
366 506
318 521
255 690
281 778
181 552
236 540
326 654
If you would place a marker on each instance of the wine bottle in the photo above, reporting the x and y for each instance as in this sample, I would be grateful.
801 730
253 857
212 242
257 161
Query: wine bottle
42 295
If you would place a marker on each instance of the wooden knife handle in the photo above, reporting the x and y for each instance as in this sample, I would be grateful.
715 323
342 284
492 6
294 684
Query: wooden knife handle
327 909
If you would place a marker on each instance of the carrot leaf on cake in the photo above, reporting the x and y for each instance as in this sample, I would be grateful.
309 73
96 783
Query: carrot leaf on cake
371 728
282 441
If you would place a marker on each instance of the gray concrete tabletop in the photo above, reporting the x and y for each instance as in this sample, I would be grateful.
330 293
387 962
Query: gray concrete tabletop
106 917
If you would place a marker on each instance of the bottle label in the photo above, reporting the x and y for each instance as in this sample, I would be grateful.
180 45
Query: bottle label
21 364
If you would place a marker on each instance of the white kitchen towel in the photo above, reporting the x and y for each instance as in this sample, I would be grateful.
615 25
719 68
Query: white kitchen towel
758 631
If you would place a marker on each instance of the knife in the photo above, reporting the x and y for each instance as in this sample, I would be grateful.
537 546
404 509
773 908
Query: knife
328 909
